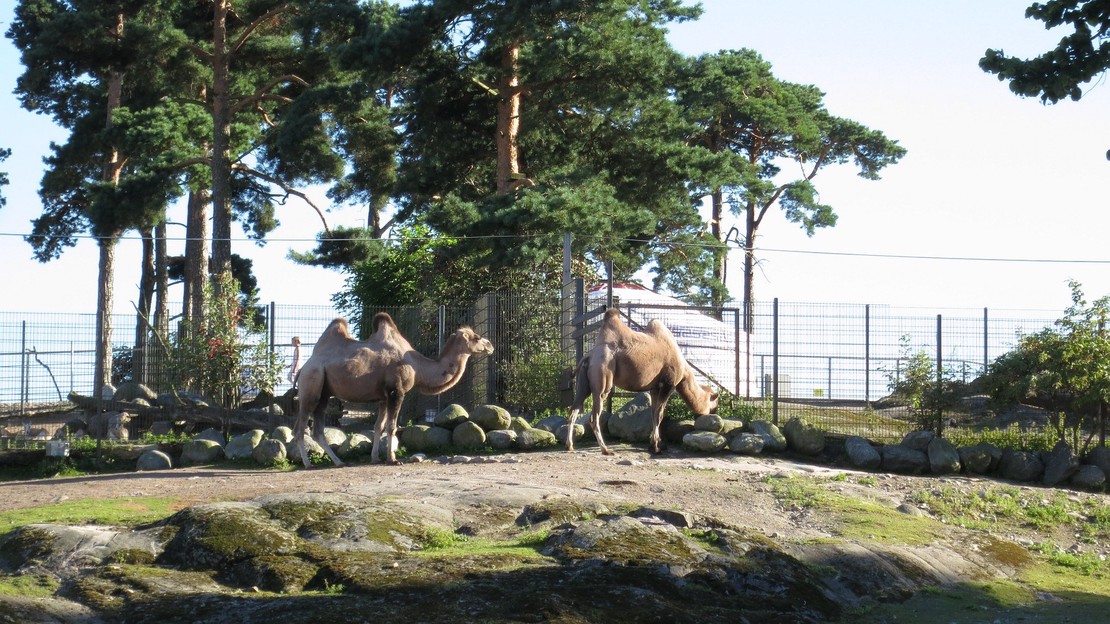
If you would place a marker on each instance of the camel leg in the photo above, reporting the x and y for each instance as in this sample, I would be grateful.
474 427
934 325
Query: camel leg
394 412
659 397
298 439
322 440
379 429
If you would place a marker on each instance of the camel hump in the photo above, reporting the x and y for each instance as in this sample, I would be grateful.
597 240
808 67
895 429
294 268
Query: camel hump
383 317
336 331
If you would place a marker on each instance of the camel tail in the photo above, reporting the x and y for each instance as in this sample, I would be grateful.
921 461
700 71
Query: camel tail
581 383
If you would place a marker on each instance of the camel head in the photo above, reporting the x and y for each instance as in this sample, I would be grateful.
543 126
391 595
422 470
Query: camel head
714 398
474 344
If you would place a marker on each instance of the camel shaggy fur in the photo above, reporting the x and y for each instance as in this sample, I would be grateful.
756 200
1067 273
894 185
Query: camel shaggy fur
382 368
636 361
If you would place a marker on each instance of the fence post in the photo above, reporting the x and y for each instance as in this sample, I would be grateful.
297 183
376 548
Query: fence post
940 380
986 357
867 355
775 364
736 354
24 372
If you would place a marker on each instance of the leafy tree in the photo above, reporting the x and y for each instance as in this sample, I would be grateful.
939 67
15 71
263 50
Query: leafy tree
1064 369
758 125
523 120
1078 58
925 390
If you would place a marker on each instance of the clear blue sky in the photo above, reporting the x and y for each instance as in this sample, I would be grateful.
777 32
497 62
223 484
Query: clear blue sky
988 175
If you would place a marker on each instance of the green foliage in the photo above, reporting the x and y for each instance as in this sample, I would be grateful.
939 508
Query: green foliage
226 353
1078 58
4 153
1013 437
925 391
1064 369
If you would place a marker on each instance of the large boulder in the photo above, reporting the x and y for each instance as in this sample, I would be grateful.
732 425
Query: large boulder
903 459
535 439
335 437
269 452
673 430
633 421
731 427
518 424
1100 456
1020 466
451 416
862 454
773 440
579 432
709 422
1059 464
109 426
356 443
468 435
552 423
412 437
491 417
980 458
282 434
213 435
201 451
943 457
242 445
501 439
1088 476
704 441
153 460
804 438
918 440
746 444
132 391
437 438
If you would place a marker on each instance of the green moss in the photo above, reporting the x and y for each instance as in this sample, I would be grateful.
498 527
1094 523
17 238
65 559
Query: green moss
27 585
131 511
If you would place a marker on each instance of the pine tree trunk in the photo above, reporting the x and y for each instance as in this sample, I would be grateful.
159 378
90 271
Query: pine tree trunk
196 256
508 122
161 305
749 268
722 256
142 313
221 143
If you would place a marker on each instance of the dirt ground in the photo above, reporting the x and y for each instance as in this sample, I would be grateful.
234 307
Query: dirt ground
731 488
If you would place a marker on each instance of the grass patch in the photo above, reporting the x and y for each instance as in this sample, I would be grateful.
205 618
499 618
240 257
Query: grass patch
112 512
997 507
27 586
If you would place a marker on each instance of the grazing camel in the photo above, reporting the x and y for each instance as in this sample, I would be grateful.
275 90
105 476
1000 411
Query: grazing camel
383 368
637 361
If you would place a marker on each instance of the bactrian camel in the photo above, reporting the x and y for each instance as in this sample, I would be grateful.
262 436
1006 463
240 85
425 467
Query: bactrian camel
382 369
636 361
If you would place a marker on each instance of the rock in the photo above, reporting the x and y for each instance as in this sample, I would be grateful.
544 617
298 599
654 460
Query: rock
383 447
213 435
133 391
182 399
311 446
709 422
773 440
704 441
746 444
109 426
242 445
282 434
633 421
803 437
731 427
437 438
161 427
552 423
979 458
468 435
918 440
1059 464
1020 466
501 439
1100 456
491 417
673 430
862 454
451 416
357 443
65 550
518 424
335 437
201 451
535 439
561 433
1088 476
412 437
269 452
154 460
943 457
903 459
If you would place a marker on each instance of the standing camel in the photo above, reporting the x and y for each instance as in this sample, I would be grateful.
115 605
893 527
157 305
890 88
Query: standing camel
637 361
383 368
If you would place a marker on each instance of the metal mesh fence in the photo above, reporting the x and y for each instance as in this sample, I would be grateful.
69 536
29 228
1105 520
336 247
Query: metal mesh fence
832 363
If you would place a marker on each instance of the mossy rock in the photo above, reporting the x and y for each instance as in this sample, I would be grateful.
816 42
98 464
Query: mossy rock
491 418
451 416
